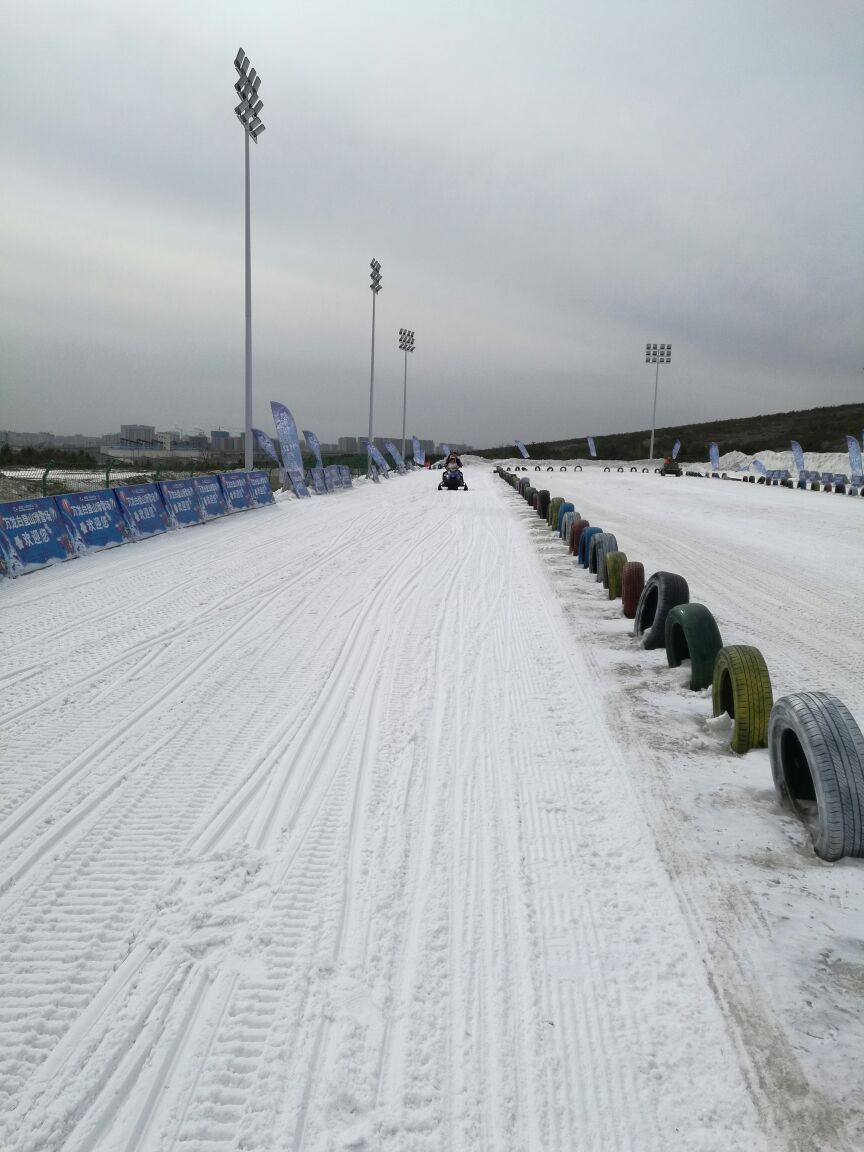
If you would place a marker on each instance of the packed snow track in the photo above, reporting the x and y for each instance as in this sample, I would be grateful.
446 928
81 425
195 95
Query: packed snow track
354 824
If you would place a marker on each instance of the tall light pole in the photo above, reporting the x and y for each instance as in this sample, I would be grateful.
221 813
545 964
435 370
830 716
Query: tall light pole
248 113
406 344
656 354
375 276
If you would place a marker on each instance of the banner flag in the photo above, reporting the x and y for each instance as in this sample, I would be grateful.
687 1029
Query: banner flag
288 438
181 502
383 466
297 478
523 450
346 475
314 447
592 447
676 448
714 455
259 486
396 454
266 445
760 467
445 450
798 456
210 497
419 452
319 481
854 455
32 534
143 510
94 519
235 489
332 477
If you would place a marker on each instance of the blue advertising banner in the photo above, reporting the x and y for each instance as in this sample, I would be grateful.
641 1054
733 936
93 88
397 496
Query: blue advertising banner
714 455
314 447
760 467
235 488
94 518
396 454
288 437
383 466
345 472
445 450
266 445
798 456
297 477
330 482
32 534
181 502
318 481
522 449
210 497
592 447
676 448
143 509
419 452
854 455
259 486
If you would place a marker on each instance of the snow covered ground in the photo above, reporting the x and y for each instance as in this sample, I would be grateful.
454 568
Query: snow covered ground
364 823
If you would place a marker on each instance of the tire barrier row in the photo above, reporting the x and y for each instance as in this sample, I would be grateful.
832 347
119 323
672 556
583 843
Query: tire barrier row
815 747
825 482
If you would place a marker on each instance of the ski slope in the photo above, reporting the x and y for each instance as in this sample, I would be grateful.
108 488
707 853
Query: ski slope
363 823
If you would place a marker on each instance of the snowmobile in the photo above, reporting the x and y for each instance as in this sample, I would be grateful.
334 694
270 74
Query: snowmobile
453 479
671 467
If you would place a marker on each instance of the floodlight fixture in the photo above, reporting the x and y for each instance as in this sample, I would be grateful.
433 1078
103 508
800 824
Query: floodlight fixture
375 286
656 354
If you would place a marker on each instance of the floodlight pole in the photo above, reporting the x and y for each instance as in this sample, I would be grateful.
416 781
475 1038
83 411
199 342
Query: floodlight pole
406 343
248 113
375 285
248 437
658 355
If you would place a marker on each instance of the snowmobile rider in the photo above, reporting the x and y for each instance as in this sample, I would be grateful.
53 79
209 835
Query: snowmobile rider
452 461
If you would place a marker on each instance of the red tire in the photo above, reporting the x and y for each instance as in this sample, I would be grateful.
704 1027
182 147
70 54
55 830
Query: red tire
576 535
632 583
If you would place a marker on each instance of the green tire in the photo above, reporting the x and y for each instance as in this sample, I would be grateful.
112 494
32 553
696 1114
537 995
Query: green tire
692 633
615 562
742 687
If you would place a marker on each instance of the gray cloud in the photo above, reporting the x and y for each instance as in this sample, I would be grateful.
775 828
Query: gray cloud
546 186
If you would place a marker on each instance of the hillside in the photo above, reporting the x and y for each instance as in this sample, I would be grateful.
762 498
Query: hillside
817 429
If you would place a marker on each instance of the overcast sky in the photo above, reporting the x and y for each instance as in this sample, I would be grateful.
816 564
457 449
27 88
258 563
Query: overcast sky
548 185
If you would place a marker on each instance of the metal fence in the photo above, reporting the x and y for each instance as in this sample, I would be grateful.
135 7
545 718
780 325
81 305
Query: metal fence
52 480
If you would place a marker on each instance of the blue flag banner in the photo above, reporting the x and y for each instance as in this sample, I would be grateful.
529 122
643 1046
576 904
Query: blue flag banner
854 455
760 467
235 489
330 481
298 482
319 482
676 448
210 497
798 456
592 447
288 438
445 449
419 453
314 447
266 445
32 534
396 454
382 464
714 455
181 502
346 475
94 519
523 450
143 509
259 486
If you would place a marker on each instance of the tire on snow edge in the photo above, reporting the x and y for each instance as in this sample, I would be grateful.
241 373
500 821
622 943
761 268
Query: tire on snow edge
662 592
742 688
817 761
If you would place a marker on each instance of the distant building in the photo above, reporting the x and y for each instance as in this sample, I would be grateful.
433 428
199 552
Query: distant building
133 432
349 445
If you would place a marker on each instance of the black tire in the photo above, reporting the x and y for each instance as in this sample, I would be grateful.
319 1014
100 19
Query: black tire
691 633
577 467
662 592
742 687
607 469
563 468
817 761
615 562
